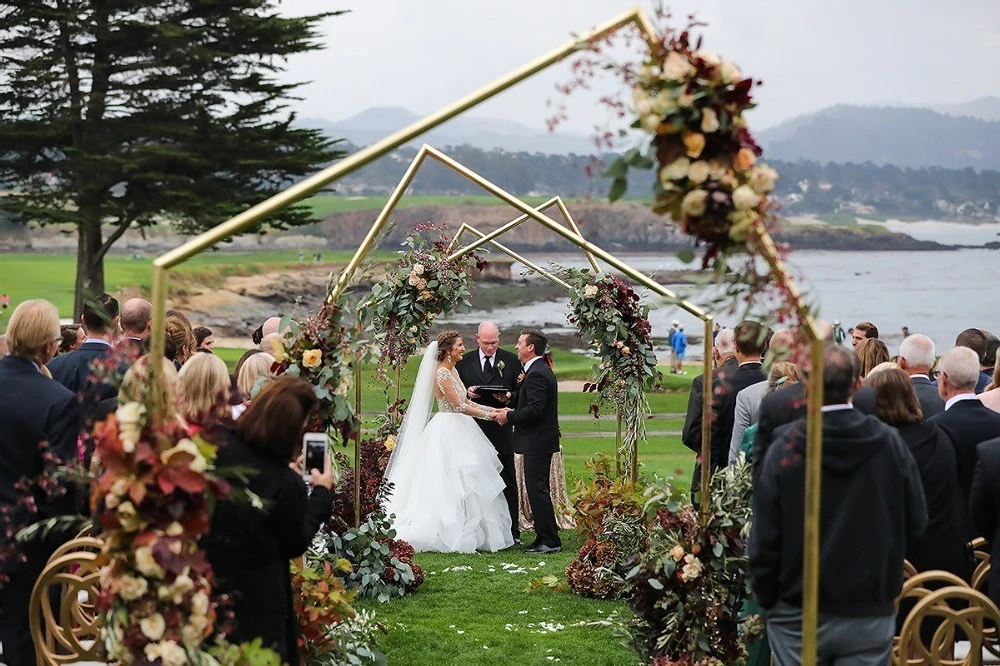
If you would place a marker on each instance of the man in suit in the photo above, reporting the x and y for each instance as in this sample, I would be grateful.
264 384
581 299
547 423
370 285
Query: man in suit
489 365
916 358
724 351
536 435
978 341
136 320
75 370
984 503
33 409
966 420
751 341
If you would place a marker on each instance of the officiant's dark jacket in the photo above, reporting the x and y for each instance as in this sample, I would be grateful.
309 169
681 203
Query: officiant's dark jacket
536 414
984 504
470 371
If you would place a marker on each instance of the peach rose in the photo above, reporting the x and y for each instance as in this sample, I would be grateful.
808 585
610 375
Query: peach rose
694 143
312 358
745 159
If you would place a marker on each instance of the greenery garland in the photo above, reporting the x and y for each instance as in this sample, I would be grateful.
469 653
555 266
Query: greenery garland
614 322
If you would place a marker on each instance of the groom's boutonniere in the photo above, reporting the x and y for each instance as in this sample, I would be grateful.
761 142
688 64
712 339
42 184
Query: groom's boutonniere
500 366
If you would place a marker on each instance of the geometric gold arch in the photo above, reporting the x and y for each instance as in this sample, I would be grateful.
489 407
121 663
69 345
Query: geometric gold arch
634 17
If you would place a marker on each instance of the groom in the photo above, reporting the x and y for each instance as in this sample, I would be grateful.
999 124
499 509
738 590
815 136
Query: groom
536 435
491 366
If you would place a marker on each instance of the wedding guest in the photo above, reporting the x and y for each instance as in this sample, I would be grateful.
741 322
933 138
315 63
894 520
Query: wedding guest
257 368
984 505
751 340
977 340
916 358
33 409
270 343
249 548
870 353
782 373
235 397
181 338
136 320
724 354
679 345
990 359
943 545
204 340
3 345
871 486
269 326
966 420
203 391
73 336
991 395
863 331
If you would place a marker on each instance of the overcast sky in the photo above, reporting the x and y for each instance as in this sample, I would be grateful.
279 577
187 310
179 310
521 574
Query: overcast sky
423 54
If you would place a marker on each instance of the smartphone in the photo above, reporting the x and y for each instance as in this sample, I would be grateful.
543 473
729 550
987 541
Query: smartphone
314 445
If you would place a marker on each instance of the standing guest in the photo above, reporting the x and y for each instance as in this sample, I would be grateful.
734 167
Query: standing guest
269 326
991 396
990 359
490 365
782 373
679 344
751 341
916 359
838 333
906 332
984 504
943 545
137 387
75 370
870 353
871 486
249 548
136 321
966 420
3 345
863 331
180 337
977 340
73 336
203 391
724 354
256 369
715 331
204 340
33 409
235 397
670 343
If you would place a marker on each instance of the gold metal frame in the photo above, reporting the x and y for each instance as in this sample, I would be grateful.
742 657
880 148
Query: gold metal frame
635 17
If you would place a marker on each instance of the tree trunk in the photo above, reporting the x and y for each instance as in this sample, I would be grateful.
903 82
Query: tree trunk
89 266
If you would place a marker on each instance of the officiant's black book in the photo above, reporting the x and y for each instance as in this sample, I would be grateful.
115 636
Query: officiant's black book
492 389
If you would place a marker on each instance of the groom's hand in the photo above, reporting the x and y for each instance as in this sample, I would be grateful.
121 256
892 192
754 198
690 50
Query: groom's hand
502 416
472 392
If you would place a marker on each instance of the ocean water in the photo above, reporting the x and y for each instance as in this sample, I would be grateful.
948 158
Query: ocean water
935 293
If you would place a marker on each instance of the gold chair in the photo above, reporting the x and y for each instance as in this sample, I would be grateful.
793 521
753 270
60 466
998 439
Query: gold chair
916 587
964 623
75 634
909 571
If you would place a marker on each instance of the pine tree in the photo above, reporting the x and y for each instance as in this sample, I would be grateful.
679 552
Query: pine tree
123 114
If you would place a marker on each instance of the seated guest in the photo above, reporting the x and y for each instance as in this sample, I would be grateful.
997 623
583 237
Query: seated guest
978 341
870 353
249 548
966 420
984 505
73 336
872 504
33 409
917 359
943 546
863 331
203 391
256 369
204 340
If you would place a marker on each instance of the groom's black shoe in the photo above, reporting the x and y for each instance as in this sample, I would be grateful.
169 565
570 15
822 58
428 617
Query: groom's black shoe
542 549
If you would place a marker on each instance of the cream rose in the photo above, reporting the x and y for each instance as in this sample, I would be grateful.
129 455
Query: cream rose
199 603
344 387
590 291
421 284
730 72
650 123
128 517
190 635
426 295
698 173
172 654
709 121
685 100
663 103
677 553
414 279
153 626
745 198
625 350
742 222
762 178
716 170
644 108
708 58
130 421
676 170
691 569
694 143
676 66
198 462
745 159
646 75
131 588
175 592
390 443
694 203
418 269
146 564
312 358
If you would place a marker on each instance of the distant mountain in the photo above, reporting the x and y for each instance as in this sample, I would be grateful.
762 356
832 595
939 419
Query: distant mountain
905 137
480 132
984 108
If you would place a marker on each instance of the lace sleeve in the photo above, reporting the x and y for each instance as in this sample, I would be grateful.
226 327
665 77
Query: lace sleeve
452 394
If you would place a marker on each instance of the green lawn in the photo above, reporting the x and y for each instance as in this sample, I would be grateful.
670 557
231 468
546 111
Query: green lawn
325 204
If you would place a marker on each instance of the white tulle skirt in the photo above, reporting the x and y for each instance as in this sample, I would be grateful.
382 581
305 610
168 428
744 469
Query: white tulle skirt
448 498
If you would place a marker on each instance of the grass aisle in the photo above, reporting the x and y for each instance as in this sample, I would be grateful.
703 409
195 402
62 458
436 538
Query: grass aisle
473 609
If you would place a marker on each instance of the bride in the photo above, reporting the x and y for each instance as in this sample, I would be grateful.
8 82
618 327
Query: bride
447 492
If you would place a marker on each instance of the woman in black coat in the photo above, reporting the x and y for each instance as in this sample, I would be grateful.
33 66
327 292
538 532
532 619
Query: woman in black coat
250 549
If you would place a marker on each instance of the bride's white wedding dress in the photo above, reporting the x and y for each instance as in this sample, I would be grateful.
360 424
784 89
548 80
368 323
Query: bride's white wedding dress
447 492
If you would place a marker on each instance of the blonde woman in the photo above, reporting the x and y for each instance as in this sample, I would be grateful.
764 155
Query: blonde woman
203 391
255 367
181 342
991 396
871 352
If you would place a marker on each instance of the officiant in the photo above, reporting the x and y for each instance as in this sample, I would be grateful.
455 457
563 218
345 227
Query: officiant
491 374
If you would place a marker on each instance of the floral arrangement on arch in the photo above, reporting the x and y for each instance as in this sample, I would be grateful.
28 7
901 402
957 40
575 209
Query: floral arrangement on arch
153 500
321 351
690 581
613 320
423 284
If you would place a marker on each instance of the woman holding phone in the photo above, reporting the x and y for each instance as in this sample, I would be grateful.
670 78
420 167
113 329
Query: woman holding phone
249 548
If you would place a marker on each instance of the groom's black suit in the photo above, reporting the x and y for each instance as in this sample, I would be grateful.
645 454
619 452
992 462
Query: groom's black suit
471 372
536 436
